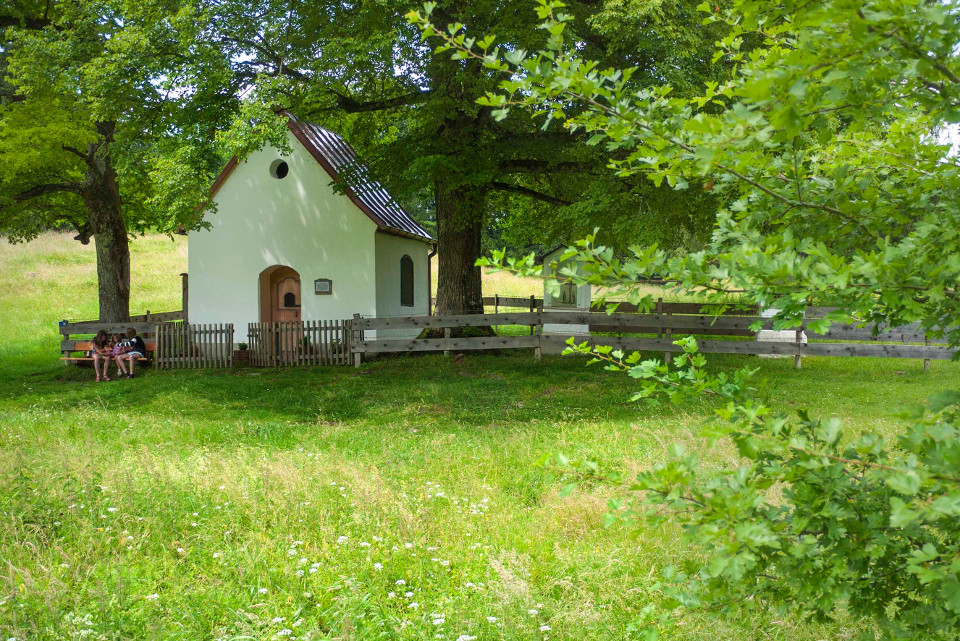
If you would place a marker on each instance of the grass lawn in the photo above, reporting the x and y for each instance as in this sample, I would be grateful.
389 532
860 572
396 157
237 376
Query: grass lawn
398 501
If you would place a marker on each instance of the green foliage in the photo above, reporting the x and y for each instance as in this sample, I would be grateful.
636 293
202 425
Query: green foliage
823 146
414 117
806 523
102 87
811 523
678 380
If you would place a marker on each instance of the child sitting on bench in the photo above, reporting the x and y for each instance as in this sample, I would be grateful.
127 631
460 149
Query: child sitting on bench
102 352
132 349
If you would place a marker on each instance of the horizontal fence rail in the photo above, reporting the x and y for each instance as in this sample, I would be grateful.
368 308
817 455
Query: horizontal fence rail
186 346
92 327
557 344
299 343
859 341
159 317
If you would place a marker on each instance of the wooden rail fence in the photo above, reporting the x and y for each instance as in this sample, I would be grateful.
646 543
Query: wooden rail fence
185 346
665 325
299 343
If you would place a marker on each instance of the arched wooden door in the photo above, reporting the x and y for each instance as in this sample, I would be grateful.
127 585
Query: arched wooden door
280 311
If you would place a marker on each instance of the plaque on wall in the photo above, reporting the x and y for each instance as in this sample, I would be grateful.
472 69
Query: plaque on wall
323 286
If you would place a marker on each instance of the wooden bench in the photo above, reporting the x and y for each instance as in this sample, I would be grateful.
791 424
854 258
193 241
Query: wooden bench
87 348
146 331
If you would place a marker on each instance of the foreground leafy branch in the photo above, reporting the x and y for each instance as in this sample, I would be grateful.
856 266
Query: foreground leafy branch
808 522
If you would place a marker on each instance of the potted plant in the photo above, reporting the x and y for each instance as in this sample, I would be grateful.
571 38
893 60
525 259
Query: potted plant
241 355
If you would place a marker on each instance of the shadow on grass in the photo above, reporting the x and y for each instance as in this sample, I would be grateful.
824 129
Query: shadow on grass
481 391
485 393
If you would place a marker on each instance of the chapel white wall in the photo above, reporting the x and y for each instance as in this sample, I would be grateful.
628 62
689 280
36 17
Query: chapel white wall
297 221
389 250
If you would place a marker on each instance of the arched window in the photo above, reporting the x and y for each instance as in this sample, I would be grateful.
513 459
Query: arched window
289 299
406 281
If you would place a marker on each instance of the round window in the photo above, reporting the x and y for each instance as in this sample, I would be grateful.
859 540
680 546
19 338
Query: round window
279 169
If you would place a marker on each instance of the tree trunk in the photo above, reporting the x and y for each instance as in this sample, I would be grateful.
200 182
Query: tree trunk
101 194
459 224
113 269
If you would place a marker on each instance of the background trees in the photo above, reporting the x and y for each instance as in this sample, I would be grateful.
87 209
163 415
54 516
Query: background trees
105 127
112 108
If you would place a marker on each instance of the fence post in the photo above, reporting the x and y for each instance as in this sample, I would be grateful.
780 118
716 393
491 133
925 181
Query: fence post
926 361
538 350
666 355
496 308
64 337
799 338
358 357
183 277
533 308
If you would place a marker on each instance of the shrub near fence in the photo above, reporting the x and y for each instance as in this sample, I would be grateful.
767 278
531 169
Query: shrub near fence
666 325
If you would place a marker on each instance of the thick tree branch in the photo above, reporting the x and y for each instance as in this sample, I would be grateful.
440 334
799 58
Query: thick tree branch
532 193
352 105
42 190
24 22
75 152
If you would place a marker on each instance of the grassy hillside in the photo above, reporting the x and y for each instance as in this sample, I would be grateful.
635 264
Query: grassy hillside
397 501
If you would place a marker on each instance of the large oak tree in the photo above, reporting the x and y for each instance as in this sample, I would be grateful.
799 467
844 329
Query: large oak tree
102 128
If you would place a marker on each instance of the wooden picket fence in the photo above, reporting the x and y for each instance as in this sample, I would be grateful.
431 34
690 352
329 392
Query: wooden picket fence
299 343
839 340
186 346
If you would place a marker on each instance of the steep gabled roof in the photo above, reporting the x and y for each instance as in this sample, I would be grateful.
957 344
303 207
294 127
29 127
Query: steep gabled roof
334 154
